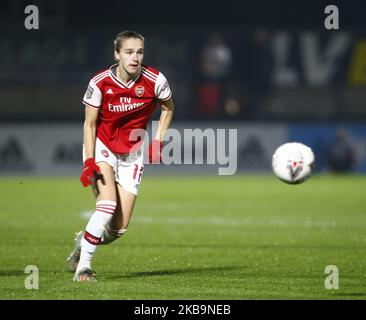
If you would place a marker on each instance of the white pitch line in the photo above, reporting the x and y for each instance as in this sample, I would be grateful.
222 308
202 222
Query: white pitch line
233 222
228 222
86 214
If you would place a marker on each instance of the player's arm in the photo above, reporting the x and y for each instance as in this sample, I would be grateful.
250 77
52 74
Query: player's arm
165 118
92 101
90 125
155 149
90 171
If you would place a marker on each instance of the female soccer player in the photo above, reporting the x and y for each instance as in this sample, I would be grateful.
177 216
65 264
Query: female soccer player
118 101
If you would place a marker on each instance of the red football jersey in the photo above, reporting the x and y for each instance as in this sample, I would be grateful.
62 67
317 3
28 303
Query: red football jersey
124 107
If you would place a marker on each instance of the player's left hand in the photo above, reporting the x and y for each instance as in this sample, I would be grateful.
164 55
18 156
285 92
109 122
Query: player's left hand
90 170
155 150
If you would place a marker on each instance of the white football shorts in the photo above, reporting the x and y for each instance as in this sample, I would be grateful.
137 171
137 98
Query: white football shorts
128 169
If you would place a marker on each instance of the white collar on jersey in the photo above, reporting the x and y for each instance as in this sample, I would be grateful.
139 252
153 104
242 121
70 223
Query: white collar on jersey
113 73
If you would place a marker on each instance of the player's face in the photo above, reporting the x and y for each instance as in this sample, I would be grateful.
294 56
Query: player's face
131 55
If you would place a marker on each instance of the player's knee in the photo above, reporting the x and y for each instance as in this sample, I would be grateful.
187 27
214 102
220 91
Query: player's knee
110 235
118 233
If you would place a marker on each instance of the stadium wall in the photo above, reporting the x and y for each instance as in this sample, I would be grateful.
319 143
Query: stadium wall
55 150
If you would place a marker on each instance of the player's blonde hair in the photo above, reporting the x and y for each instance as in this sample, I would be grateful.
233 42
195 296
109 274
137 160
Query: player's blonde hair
126 35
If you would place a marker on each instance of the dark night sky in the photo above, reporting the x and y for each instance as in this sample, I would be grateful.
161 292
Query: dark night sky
189 13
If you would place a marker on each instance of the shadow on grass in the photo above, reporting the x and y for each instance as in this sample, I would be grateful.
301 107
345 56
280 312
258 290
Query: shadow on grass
11 273
168 272
351 294
245 247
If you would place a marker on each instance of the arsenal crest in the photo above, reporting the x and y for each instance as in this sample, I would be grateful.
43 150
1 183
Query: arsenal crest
105 153
139 90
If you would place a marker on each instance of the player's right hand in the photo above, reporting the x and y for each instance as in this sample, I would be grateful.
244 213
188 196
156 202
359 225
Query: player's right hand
89 170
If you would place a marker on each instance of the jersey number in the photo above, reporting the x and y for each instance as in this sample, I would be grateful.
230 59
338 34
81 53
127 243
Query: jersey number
135 172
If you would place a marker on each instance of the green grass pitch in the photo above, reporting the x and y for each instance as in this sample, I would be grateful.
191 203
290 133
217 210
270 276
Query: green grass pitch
198 237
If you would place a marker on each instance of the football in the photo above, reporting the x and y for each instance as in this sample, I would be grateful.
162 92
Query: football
293 162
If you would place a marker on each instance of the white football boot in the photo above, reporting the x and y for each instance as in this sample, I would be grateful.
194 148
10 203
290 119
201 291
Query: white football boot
85 275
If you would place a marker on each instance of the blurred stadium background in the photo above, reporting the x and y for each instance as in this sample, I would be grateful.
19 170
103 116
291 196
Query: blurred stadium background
276 78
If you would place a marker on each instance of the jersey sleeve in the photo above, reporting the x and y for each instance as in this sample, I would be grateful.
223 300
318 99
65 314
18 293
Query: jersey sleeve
92 96
162 89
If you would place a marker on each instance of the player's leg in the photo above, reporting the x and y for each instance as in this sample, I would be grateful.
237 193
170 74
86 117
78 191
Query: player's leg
128 179
106 203
121 218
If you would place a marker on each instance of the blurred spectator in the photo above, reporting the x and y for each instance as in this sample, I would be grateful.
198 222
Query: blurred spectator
341 156
209 99
258 70
216 59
